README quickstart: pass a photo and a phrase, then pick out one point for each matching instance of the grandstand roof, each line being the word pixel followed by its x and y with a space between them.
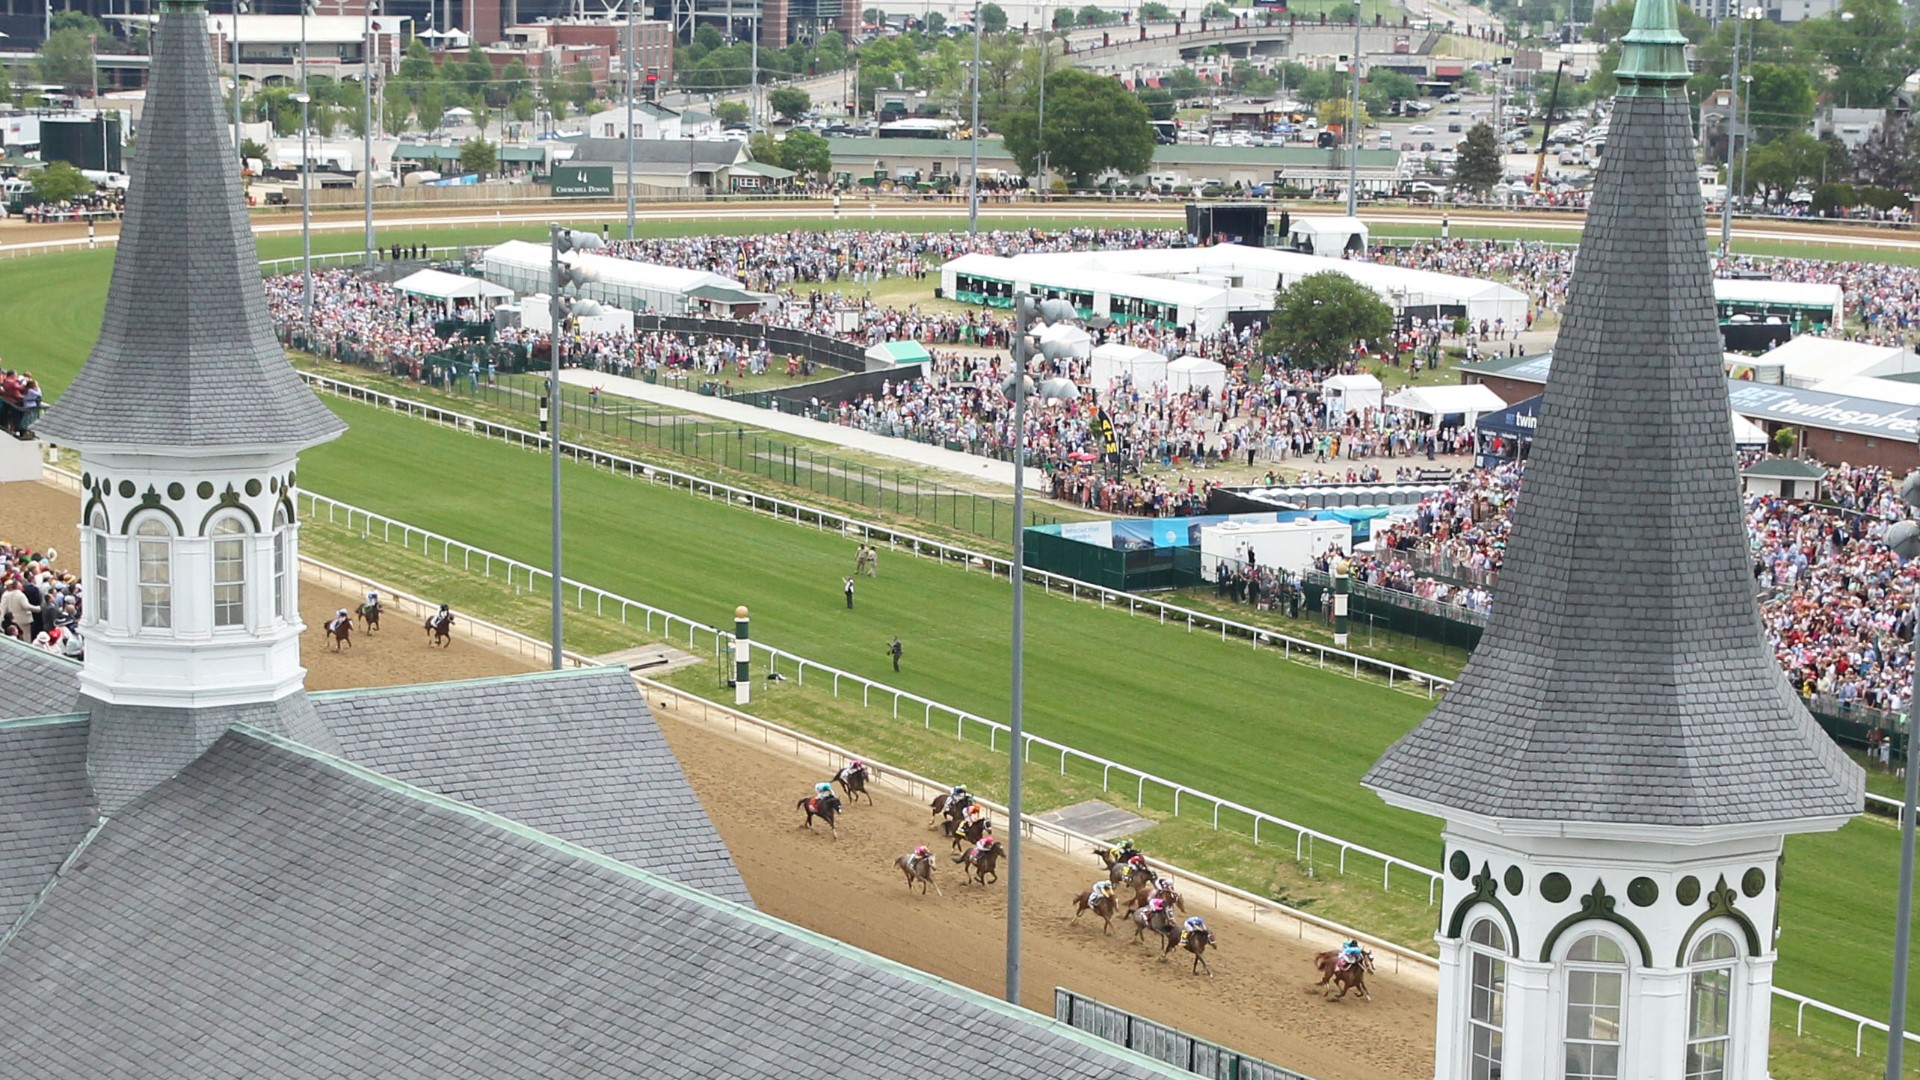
pixel 1623 679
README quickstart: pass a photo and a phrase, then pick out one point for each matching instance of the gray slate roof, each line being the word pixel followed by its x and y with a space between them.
pixel 271 912
pixel 1623 677
pixel 660 154
pixel 571 753
pixel 186 356
pixel 35 682
pixel 134 747
pixel 46 806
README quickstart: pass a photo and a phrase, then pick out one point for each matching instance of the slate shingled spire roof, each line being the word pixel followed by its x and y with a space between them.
pixel 1623 677
pixel 186 357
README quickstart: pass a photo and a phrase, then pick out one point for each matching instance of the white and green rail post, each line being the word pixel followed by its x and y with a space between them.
pixel 1342 581
pixel 742 658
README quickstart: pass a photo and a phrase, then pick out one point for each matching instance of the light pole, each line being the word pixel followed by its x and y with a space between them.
pixel 973 195
pixel 1903 539
pixel 1040 121
pixel 366 120
pixel 1353 122
pixel 1027 312
pixel 238 8
pixel 560 240
pixel 306 219
pixel 628 68
pixel 1733 116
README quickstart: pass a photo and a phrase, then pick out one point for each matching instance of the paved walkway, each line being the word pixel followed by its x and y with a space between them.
pixel 973 468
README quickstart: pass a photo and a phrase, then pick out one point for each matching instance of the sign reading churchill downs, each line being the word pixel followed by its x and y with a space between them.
pixel 582 181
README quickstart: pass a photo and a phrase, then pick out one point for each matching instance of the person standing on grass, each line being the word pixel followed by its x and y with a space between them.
pixel 849 591
pixel 894 651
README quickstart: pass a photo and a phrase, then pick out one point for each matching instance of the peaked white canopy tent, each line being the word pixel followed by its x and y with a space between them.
pixel 1190 373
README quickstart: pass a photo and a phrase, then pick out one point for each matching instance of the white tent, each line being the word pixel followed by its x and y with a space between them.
pixel 1470 401
pixel 447 288
pixel 1327 237
pixel 1748 435
pixel 1350 393
pixel 1809 362
pixel 1067 340
pixel 1145 367
pixel 1192 373
pixel 623 283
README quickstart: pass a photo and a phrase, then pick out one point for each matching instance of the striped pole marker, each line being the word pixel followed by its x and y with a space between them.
pixel 742 657
pixel 1341 582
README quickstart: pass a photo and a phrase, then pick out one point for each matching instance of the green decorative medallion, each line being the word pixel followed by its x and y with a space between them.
pixel 204 490
pixel 86 480
pixel 1753 882
pixel 1555 887
pixel 176 491
pixel 1643 891
pixel 1460 865
pixel 253 488
pixel 1688 892
pixel 126 489
pixel 1516 881
pixel 273 485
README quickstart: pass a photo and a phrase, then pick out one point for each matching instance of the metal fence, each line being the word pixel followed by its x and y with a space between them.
pixel 1160 1042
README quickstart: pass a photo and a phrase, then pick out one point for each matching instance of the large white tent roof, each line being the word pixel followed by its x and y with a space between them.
pixel 1471 398
pixel 440 285
pixel 1807 294
pixel 612 271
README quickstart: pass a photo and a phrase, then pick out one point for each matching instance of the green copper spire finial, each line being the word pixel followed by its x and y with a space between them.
pixel 1653 55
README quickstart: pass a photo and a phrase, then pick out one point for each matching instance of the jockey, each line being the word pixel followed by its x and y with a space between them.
pixel 1122 851
pixel 823 791
pixel 340 618
pixel 444 617
pixel 972 814
pixel 1102 890
pixel 1158 906
pixel 981 847
pixel 373 599
pixel 855 767
pixel 958 795
pixel 1163 885
pixel 1349 953
pixel 921 855
pixel 1137 862
pixel 1195 925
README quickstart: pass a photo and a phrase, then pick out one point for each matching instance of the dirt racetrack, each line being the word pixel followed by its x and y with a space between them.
pixel 1257 1001
pixel 43 516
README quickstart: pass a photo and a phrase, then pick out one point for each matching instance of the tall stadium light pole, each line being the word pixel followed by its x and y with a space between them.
pixel 306 219
pixel 1040 120
pixel 628 68
pixel 973 200
pixel 1733 115
pixel 238 7
pixel 1353 123
pixel 559 275
pixel 1025 311
pixel 1903 538
pixel 366 120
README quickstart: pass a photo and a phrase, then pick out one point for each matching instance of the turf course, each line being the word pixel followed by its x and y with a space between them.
pixel 1286 739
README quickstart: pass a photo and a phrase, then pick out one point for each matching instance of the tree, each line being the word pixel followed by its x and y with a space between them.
pixel 1318 319
pixel 790 102
pixel 430 108
pixel 1886 160
pixel 1867 51
pixel 1159 102
pixel 1786 161
pixel 1093 125
pixel 1216 10
pixel 1248 79
pixel 1479 165
pixel 479 156
pixel 731 113
pixel 521 109
pixel 1154 11
pixel 764 149
pixel 1333 113
pixel 993 19
pixel 1780 99
pixel 66 59
pixel 253 151
pixel 805 152
pixel 59 182
pixel 936 23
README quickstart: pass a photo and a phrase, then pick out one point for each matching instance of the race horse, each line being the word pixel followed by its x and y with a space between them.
pixel 1106 907
pixel 1197 942
pixel 1132 877
pixel 980 865
pixel 1347 976
pixel 1105 855
pixel 1145 919
pixel 822 807
pixel 918 870
pixel 339 632
pixel 440 629
pixel 950 808
pixel 969 834
pixel 370 614
pixel 854 783
pixel 1171 896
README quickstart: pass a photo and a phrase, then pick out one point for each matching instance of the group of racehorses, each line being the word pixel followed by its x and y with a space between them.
pixel 339 629
pixel 1152 899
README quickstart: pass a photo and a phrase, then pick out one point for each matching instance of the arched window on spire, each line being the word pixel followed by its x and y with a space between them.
pixel 1486 1000
pixel 154 541
pixel 1596 1006
pixel 280 559
pixel 95 608
pixel 229 572
pixel 1710 1007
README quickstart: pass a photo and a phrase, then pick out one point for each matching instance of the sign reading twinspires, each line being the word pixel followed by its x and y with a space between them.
pixel 577 181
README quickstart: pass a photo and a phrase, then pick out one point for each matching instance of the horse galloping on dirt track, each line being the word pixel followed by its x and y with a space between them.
pixel 370 614
pixel 948 809
pixel 980 865
pixel 854 783
pixel 822 808
pixel 1132 877
pixel 920 870
pixel 440 629
pixel 339 632
pixel 1145 919
pixel 1196 942
pixel 1105 907
pixel 1348 977
pixel 1172 897
pixel 970 833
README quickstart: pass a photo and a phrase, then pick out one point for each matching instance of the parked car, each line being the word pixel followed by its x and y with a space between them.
pixel 1420 129
pixel 1449 99
pixel 1426 147
pixel 1454 128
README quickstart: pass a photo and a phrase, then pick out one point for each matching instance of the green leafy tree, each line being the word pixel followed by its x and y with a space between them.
pixel 1248 79
pixel 1781 99
pixel 1479 165
pixel 253 151
pixel 830 52
pixel 6 87
pixel 764 149
pixel 79 21
pixel 1783 163
pixel 790 102
pixel 325 119
pixel 1318 319
pixel 431 107
pixel 479 156
pixel 1064 18
pixel 936 23
pixel 1886 160
pixel 805 152
pixel 417 67
pixel 1868 52
pixel 1333 112
pixel 395 109
pixel 1093 125
pixel 1159 102
pixel 1154 11
pixel 521 108
pixel 66 60
pixel 731 113
pixel 513 82
pixel 993 19
pixel 59 182
pixel 1216 10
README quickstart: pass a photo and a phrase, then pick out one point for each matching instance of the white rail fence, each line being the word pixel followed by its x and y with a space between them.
pixel 699 636
pixel 1220 896
pixel 1325 656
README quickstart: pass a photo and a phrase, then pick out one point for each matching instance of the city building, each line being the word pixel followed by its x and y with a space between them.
pixel 1621 761
pixel 336 45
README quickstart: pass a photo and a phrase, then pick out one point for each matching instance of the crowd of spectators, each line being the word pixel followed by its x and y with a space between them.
pixel 20 402
pixel 39 604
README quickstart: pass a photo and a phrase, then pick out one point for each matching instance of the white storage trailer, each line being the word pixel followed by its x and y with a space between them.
pixel 1284 545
